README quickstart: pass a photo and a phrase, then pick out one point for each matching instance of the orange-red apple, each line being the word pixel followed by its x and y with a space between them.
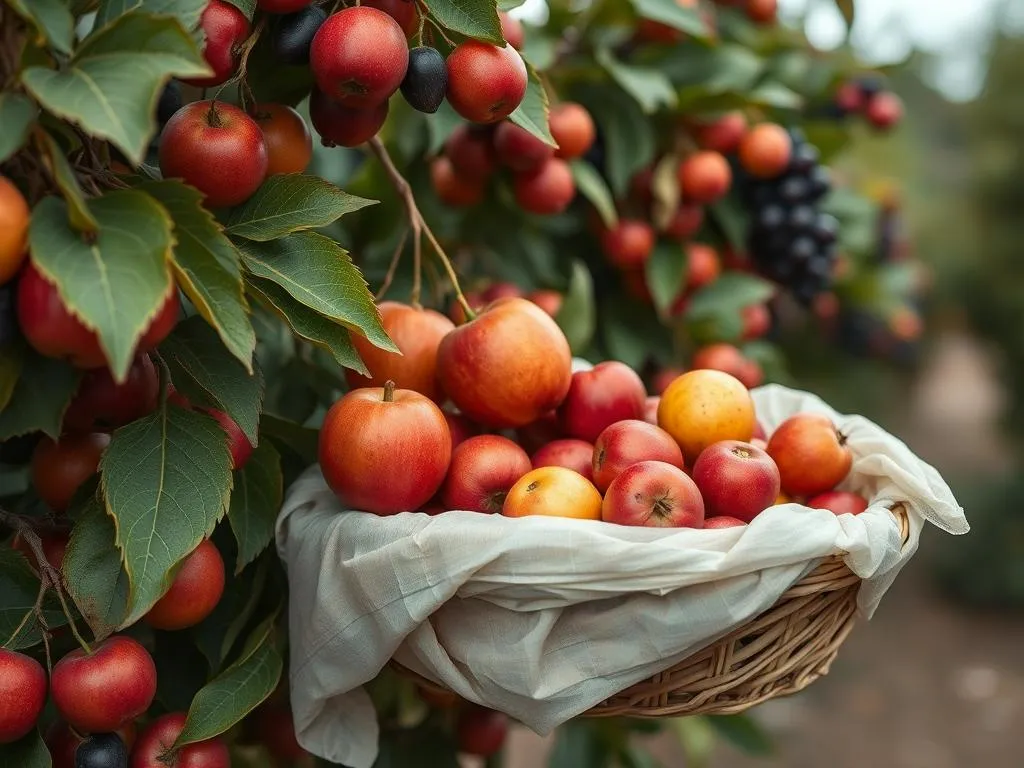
pixel 609 392
pixel 839 502
pixel 553 492
pixel 577 455
pixel 653 494
pixel 627 442
pixel 736 479
pixel 482 471
pixel 722 521
pixel 811 454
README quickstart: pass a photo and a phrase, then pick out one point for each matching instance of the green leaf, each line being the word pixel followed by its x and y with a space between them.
pixel 743 732
pixel 697 738
pixel 112 83
pixel 628 134
pixel 731 217
pixel 17 116
pixel 185 11
pixel 52 20
pixel 729 293
pixel 248 7
pixel 19 590
pixel 233 694
pixel 320 274
pixel 578 744
pixel 216 635
pixel 673 14
pixel 775 95
pixel 309 324
pixel 441 125
pixel 532 112
pixel 593 187
pixel 41 393
pixel 208 267
pixel 577 317
pixel 115 283
pixel 291 203
pixel 79 215
pixel 632 332
pixel 209 376
pixel 650 87
pixel 665 272
pixel 28 752
pixel 93 572
pixel 255 502
pixel 166 479
pixel 300 440
pixel 712 70
pixel 472 18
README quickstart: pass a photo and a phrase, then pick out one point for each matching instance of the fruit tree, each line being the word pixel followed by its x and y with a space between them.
pixel 217 216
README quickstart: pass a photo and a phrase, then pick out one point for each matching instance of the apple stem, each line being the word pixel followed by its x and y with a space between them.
pixel 389 391
pixel 662 507
pixel 419 227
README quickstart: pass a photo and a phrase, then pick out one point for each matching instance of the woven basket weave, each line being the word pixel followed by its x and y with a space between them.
pixel 778 653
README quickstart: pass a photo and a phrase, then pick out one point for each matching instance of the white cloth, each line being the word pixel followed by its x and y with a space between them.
pixel 543 618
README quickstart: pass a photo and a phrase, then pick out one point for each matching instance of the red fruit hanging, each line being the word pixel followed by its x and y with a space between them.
pixel 224 28
pixel 485 83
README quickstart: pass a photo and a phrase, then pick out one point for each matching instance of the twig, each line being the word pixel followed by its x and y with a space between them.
pixel 418 224
pixel 392 267
pixel 440 31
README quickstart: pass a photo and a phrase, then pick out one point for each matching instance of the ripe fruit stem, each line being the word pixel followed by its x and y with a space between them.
pixel 419 226
pixel 389 391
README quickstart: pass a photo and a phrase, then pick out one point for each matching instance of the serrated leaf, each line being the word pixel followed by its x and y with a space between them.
pixel 743 732
pixel 41 393
pixel 255 502
pixel 291 203
pixel 112 83
pixel 93 573
pixel 577 316
pixel 17 115
pixel 729 293
pixel 532 113
pixel 650 87
pixel 590 184
pixel 52 20
pixel 208 375
pixel 28 752
pixel 309 324
pixel 472 18
pixel 116 282
pixel 627 132
pixel 166 479
pixel 185 11
pixel 79 215
pixel 665 272
pixel 233 694
pixel 19 590
pixel 675 15
pixel 320 274
pixel 208 267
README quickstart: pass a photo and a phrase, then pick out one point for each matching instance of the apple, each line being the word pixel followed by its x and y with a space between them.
pixel 723 521
pixel 508 366
pixel 154 747
pixel 627 442
pixel 664 377
pixel 609 392
pixel 539 433
pixel 482 471
pixel 839 502
pixel 460 428
pixel 736 479
pixel 553 492
pixel 570 453
pixel 703 407
pixel 22 694
pixel 811 453
pixel 480 731
pixel 653 494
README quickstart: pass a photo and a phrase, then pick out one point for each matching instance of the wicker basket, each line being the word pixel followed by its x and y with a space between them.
pixel 778 653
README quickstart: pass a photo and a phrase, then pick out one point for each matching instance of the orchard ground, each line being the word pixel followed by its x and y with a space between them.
pixel 925 684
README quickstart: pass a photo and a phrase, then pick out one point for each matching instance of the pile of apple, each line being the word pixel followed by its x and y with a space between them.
pixel 531 437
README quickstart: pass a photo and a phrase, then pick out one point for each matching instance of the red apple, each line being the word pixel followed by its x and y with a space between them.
pixel 664 377
pixel 570 453
pixel 811 454
pixel 461 428
pixel 483 469
pixel 839 502
pixel 653 494
pixel 154 747
pixel 22 694
pixel 610 392
pixel 723 521
pixel 628 442
pixel 651 409
pixel 736 479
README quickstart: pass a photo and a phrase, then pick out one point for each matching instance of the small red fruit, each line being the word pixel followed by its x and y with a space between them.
pixel 369 433
pixel 453 189
pixel 850 97
pixel 722 135
pixel 736 479
pixel 512 30
pixel 239 445
pixel 359 57
pixel 577 455
pixel 628 245
pixel 471 152
pixel 102 405
pixel 14 223
pixel 460 427
pixel 154 747
pixel 685 223
pixel 194 593
pixel 54 544
pixel 653 494
pixel 765 150
pixel 839 502
pixel 702 265
pixel 611 391
pixel 723 521
pixel 519 149
pixel 546 191
pixel 627 442
pixel 501 290
pixel 482 471
pixel 402 11
pixel 485 83
pixel 22 694
pixel 216 148
pixel 811 454
pixel 884 110
pixel 286 136
pixel 751 374
pixel 572 128
pixel 60 468
pixel 274 725
pixel 757 321
pixel 224 28
pixel 548 300
pixel 539 433
pixel 102 691
pixel 762 11
pixel 704 177
pixel 720 357
pixel 481 731
pixel 664 377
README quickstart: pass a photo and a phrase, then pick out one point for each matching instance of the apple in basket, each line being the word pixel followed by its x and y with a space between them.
pixel 482 471
pixel 570 453
pixel 654 494
pixel 553 492
pixel 839 502
pixel 609 392
pixel 811 454
pixel 627 442
pixel 736 479
pixel 723 521
pixel 384 450
pixel 703 407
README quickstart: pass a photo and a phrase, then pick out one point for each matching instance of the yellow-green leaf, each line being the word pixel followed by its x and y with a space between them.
pixel 52 20
pixel 650 87
pixel 532 112
pixel 472 18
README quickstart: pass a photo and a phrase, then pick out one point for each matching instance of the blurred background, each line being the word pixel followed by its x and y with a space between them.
pixel 936 679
